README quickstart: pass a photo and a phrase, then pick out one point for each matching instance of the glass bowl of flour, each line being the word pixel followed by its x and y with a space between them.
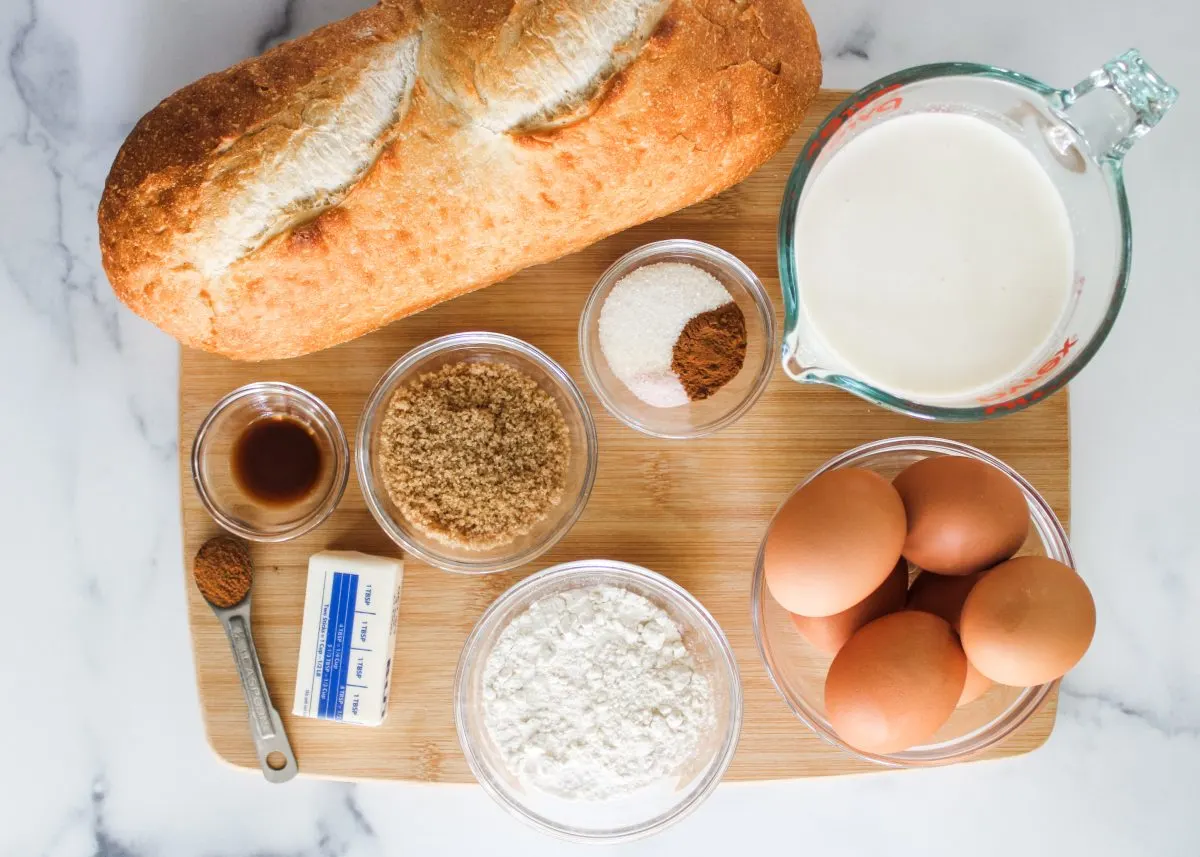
pixel 598 701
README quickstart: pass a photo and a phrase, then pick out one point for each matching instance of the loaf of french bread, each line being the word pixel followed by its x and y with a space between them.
pixel 416 151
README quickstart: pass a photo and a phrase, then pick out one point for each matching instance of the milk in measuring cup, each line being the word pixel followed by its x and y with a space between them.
pixel 934 256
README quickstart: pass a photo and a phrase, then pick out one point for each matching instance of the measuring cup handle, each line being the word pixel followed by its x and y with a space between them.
pixel 1143 98
pixel 275 755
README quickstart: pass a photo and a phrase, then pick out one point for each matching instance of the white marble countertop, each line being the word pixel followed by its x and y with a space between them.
pixel 101 746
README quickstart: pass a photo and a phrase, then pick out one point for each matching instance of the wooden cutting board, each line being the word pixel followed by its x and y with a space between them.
pixel 692 510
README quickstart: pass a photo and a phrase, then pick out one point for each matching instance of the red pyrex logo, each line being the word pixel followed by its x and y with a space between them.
pixel 1024 384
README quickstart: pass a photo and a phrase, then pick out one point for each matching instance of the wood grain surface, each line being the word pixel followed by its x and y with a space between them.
pixel 693 510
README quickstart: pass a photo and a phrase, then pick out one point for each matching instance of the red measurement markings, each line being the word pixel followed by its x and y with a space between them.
pixel 854 115
pixel 1027 382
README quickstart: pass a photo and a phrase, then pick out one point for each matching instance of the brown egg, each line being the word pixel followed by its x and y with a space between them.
pixel 975 686
pixel 941 594
pixel 944 595
pixel 963 515
pixel 834 542
pixel 895 682
pixel 830 633
pixel 1028 621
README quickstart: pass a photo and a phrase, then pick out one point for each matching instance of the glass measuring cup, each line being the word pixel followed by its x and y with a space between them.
pixel 1079 136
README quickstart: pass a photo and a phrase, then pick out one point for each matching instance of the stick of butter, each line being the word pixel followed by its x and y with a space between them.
pixel 347 638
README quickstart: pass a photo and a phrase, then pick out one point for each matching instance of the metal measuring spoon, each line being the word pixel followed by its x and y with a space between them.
pixel 224 573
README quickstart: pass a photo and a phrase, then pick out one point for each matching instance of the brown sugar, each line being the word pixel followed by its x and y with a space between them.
pixel 710 351
pixel 474 454
pixel 223 571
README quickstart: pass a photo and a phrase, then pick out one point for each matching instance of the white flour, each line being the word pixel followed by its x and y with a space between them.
pixel 590 693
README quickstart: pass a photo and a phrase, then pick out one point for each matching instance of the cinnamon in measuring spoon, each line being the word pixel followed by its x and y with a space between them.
pixel 223 571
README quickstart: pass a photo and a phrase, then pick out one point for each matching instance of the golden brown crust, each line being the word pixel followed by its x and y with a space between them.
pixel 449 205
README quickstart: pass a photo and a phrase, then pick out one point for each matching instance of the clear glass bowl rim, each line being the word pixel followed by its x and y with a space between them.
pixel 1055 541
pixel 341 455
pixel 378 399
pixel 645 254
pixel 669 590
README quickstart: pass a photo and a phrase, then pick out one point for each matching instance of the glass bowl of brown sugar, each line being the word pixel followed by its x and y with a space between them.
pixel 476 452
pixel 677 339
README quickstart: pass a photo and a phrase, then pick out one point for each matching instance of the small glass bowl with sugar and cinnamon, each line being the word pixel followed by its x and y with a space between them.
pixel 650 293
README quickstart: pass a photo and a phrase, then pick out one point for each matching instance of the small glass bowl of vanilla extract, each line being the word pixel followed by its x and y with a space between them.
pixel 270 461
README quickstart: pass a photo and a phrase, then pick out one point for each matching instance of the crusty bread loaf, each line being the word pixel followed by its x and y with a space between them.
pixel 411 153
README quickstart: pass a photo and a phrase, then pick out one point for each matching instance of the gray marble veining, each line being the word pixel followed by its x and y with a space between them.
pixel 101 743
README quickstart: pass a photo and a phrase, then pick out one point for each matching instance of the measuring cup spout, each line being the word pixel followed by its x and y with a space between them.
pixel 1130 99
pixel 794 368
pixel 798 370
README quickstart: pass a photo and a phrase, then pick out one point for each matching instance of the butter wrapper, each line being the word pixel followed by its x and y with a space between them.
pixel 348 636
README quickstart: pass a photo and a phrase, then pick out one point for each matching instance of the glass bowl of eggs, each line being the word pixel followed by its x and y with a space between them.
pixel 893 662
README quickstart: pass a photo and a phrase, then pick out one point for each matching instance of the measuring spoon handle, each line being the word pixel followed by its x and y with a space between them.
pixel 270 741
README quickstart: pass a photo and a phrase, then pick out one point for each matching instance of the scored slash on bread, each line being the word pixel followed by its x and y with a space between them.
pixel 409 154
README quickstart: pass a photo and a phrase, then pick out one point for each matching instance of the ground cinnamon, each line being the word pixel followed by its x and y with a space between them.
pixel 223 571
pixel 710 351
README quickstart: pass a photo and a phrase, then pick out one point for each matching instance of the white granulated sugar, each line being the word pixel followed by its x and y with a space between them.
pixel 642 318
pixel 591 693
pixel 662 390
